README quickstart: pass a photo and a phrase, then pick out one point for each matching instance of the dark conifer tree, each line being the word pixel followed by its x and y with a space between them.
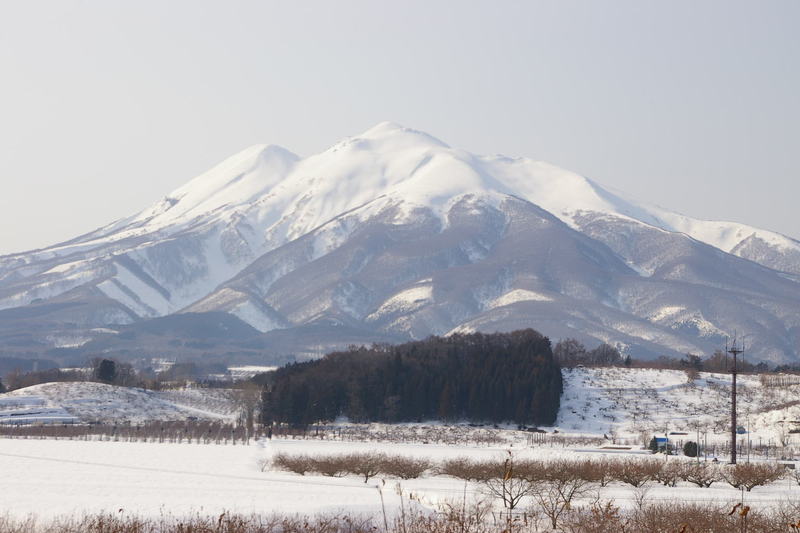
pixel 106 371
pixel 498 377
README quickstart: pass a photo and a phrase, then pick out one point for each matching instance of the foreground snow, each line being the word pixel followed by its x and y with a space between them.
pixel 49 477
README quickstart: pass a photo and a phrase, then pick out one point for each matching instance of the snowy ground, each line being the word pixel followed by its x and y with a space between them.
pixel 51 477
pixel 627 402
pixel 96 402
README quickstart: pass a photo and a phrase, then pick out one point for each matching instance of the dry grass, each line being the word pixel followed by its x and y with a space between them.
pixel 453 517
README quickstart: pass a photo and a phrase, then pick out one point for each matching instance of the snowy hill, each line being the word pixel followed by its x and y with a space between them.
pixel 632 401
pixel 97 402
pixel 392 235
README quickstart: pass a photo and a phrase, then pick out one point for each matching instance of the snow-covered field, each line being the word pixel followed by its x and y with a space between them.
pixel 56 477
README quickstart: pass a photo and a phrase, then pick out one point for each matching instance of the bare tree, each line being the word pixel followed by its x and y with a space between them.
pixel 510 488
pixel 703 475
pixel 669 473
pixel 565 481
pixel 365 464
pixel 248 398
pixel 404 467
pixel 298 464
pixel 637 473
pixel 751 475
pixel 569 352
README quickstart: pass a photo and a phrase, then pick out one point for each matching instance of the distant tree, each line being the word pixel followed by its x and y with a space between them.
pixel 180 371
pixel 605 354
pixel 2 387
pixel 106 371
pixel 762 367
pixel 13 380
pixel 692 361
pixel 690 449
pixel 569 352
pixel 18 380
pixel 720 362
pixel 665 361
pixel 628 360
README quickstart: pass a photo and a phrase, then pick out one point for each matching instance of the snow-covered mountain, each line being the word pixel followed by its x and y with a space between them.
pixel 392 235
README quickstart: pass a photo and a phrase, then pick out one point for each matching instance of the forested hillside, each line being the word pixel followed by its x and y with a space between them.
pixel 478 377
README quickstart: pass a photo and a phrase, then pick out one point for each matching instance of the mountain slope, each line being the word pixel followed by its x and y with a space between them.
pixel 393 235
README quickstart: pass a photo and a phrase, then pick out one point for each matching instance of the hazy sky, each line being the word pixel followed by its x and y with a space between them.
pixel 107 106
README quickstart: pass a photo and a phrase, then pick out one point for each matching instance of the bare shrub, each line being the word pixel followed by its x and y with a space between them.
pixel 703 475
pixel 298 464
pixel 333 465
pixel 467 517
pixel 531 470
pixel 669 473
pixel 599 518
pixel 640 494
pixel 673 517
pixel 598 471
pixel 751 475
pixel 468 470
pixel 637 472
pixel 366 465
pixel 404 467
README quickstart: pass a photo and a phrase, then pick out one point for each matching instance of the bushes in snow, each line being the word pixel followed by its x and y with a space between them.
pixel 564 474
pixel 701 474
pixel 636 473
pixel 751 475
pixel 366 465
pixel 405 467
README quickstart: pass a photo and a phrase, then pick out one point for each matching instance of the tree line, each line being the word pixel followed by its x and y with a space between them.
pixel 113 372
pixel 478 377
pixel 571 352
pixel 100 369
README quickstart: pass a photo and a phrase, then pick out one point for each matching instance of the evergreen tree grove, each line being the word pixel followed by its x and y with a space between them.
pixel 496 377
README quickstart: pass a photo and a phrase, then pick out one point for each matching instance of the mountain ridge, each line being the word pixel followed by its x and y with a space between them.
pixel 252 236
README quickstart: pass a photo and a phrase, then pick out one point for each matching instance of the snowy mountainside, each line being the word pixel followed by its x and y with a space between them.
pixel 393 235
pixel 97 402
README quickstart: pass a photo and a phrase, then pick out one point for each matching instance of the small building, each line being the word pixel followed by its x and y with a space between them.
pixel 662 443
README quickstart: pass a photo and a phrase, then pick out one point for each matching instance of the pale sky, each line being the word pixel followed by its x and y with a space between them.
pixel 107 106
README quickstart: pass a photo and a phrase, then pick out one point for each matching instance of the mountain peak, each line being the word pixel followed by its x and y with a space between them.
pixel 392 131
pixel 269 151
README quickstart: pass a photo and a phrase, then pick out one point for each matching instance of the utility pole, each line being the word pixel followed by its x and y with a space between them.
pixel 695 425
pixel 734 351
